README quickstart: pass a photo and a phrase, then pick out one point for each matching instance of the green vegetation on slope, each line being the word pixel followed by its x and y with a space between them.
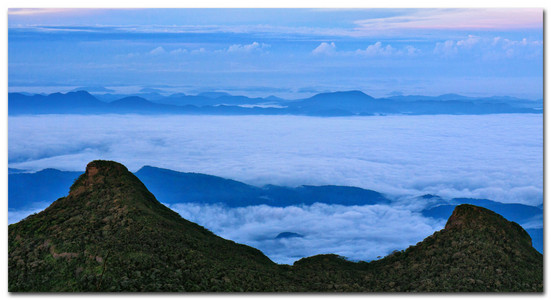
pixel 478 251
pixel 111 234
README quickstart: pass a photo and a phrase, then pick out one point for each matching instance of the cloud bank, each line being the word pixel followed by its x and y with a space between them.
pixel 356 232
pixel 15 216
pixel 498 157
pixel 374 50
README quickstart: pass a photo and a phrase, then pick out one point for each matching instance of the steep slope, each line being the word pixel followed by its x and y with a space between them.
pixel 111 234
pixel 519 213
pixel 477 251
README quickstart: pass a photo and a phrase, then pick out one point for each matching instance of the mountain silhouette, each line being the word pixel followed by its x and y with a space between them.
pixel 31 190
pixel 111 234
pixel 178 187
pixel 344 103
pixel 72 102
pixel 171 187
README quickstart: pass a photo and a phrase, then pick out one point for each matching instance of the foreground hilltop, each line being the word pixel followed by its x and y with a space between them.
pixel 111 234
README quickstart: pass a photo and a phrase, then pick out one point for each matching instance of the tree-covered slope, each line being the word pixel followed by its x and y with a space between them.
pixel 111 234
pixel 477 251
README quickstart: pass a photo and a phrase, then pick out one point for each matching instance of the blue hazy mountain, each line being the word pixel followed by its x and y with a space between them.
pixel 109 97
pixel 139 105
pixel 357 102
pixel 47 185
pixel 72 102
pixel 288 235
pixel 345 102
pixel 511 101
pixel 537 238
pixel 330 194
pixel 93 89
pixel 324 104
pixel 213 95
pixel 170 187
pixel 512 211
pixel 519 213
pixel 179 187
pixel 151 90
pixel 15 171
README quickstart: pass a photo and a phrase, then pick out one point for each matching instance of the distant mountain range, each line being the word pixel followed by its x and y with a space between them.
pixel 346 103
pixel 171 187
pixel 178 187
pixel 110 234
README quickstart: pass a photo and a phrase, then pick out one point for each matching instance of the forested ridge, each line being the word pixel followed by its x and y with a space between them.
pixel 111 234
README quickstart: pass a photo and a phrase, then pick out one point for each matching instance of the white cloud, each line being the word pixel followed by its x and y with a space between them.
pixel 377 49
pixel 199 51
pixel 325 48
pixel 157 51
pixel 179 51
pixel 255 46
pixel 450 47
pixel 412 51
pixel 374 50
pixel 523 47
pixel 446 48
pixel 495 48
pixel 18 215
pixel 469 42
pixel 356 232
pixel 492 156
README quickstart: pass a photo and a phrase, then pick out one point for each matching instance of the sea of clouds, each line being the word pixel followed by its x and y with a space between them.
pixel 355 232
pixel 498 157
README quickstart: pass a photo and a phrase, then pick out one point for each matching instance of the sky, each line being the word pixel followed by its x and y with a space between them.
pixel 291 53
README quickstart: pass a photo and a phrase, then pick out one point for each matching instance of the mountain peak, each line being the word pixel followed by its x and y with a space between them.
pixel 104 166
pixel 464 215
pixel 97 170
pixel 111 234
pixel 467 216
pixel 80 93
pixel 104 180
pixel 353 93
